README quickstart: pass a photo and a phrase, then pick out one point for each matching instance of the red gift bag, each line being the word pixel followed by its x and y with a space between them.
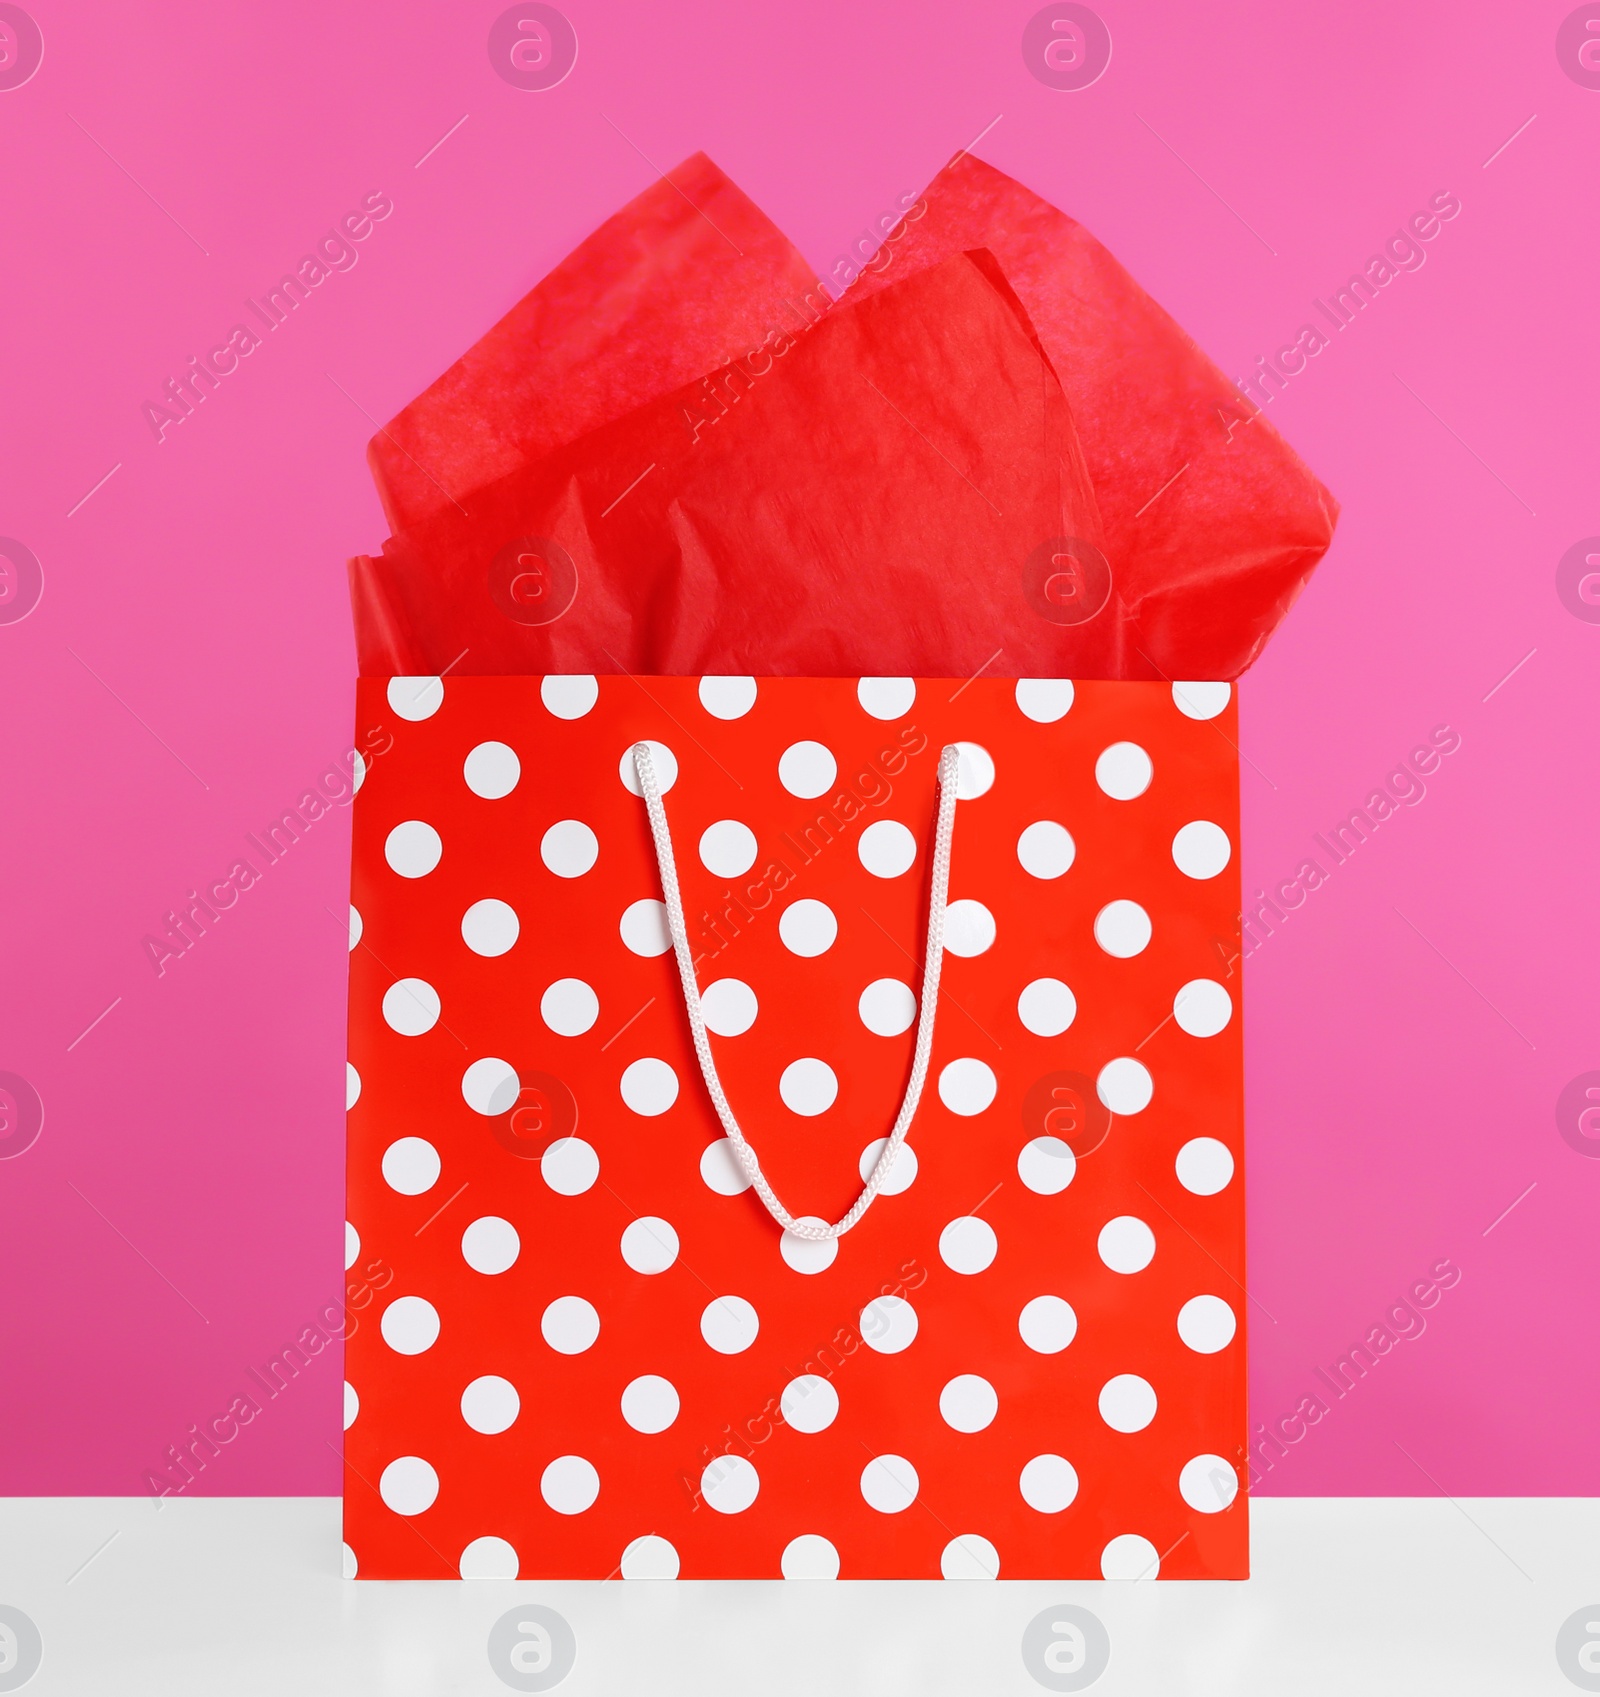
pixel 796 1112
pixel 597 1353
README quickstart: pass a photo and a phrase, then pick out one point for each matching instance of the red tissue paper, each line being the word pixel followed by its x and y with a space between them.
pixel 658 295
pixel 996 452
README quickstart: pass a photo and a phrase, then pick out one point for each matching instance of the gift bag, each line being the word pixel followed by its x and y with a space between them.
pixel 795 1111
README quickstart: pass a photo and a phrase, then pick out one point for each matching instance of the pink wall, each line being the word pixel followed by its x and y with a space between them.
pixel 187 672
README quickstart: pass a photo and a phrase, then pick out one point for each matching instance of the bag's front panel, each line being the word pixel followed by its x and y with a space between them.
pixel 583 1348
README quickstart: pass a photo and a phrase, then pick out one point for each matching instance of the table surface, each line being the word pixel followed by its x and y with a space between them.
pixel 1380 1595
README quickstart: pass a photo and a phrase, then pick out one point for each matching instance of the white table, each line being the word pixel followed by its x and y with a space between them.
pixel 238 1596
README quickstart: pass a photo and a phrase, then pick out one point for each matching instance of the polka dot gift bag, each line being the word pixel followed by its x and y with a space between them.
pixel 795 1087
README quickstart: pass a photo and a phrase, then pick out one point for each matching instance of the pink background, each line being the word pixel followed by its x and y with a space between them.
pixel 188 672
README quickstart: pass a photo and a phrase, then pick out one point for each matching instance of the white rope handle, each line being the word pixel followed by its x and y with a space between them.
pixel 939 885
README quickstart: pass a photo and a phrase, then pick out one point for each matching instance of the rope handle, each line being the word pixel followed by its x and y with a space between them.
pixel 933 960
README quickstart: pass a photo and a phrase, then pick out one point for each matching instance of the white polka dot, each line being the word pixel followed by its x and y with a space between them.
pixel 352 1405
pixel 1125 1086
pixel 1201 700
pixel 729 1007
pixel 1044 700
pixel 358 771
pixel 1127 1403
pixel 968 1403
pixel 1205 1166
pixel 1049 1484
pixel 809 1087
pixel 729 1484
pixel 570 1325
pixel 489 1558
pixel 569 1007
pixel 809 1403
pixel 411 1166
pixel 413 849
pixel 1201 849
pixel 810 1557
pixel 889 1483
pixel 490 927
pixel 887 848
pixel 569 696
pixel 721 1168
pixel 808 1254
pixel 490 1245
pixel 727 697
pixel 490 1086
pixel 352 1086
pixel 1123 771
pixel 649 1087
pixel 356 927
pixel 807 769
pixel 348 1565
pixel 1208 1484
pixel 1128 1558
pixel 490 1404
pixel 886 698
pixel 569 1484
pixel 902 1175
pixel 416 698
pixel 729 1324
pixel 1122 929
pixel 808 928
pixel 1206 1324
pixel 569 848
pixel 967 1245
pixel 1047 1165
pixel 728 848
pixel 887 1007
pixel 644 927
pixel 662 758
pixel 492 770
pixel 1126 1244
pixel 968 928
pixel 969 1557
pixel 888 1324
pixel 650 1403
pixel 1202 1007
pixel 569 1166
pixel 411 1007
pixel 1046 849
pixel 352 1245
pixel 409 1485
pixel 410 1325
pixel 1048 1324
pixel 1047 1007
pixel 649 1557
pixel 649 1244
pixel 967 1086
pixel 974 771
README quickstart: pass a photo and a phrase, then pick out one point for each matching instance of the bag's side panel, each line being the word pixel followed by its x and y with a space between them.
pixel 585 1349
